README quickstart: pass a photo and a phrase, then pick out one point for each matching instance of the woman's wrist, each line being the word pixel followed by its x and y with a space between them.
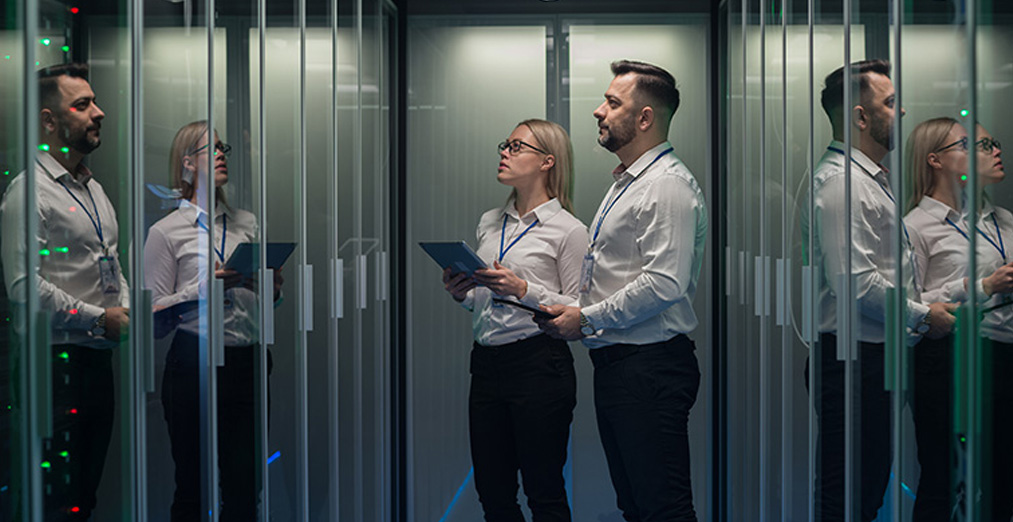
pixel 524 290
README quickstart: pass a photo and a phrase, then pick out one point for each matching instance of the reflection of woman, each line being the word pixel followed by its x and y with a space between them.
pixel 523 387
pixel 176 273
pixel 939 226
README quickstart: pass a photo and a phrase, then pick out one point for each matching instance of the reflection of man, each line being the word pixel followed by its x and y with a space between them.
pixel 873 267
pixel 638 282
pixel 79 281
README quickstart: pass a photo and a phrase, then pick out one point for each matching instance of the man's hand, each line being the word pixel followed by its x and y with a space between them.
pixel 501 280
pixel 941 319
pixel 566 324
pixel 457 284
pixel 117 322
pixel 1000 282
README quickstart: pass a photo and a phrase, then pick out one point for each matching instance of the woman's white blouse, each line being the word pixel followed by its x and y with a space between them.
pixel 174 272
pixel 941 258
pixel 548 257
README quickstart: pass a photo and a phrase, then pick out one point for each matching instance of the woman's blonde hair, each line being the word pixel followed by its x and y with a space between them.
pixel 553 138
pixel 183 145
pixel 928 137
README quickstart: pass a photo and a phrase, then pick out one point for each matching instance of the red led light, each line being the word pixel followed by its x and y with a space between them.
pixel 72 109
pixel 73 209
pixel 73 411
pixel 73 311
pixel 75 10
pixel 75 509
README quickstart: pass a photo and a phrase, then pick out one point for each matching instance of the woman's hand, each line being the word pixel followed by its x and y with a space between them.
pixel 1000 282
pixel 457 284
pixel 501 280
pixel 231 277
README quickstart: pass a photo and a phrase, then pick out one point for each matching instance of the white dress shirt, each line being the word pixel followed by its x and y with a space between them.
pixel 873 257
pixel 941 254
pixel 175 272
pixel 548 257
pixel 648 253
pixel 68 277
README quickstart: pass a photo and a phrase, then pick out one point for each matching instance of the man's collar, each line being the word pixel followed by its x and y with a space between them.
pixel 57 171
pixel 640 165
pixel 870 167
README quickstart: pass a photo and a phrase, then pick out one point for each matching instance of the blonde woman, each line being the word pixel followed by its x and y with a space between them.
pixel 939 226
pixel 174 271
pixel 523 387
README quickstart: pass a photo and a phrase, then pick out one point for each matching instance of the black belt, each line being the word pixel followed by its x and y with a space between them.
pixel 607 355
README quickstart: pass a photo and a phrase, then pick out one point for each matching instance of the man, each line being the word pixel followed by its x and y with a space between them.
pixel 872 268
pixel 636 303
pixel 79 281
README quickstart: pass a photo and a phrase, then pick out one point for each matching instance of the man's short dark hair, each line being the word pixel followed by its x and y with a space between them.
pixel 654 83
pixel 49 82
pixel 832 97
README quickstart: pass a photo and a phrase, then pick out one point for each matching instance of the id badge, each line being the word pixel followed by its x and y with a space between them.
pixel 586 269
pixel 110 275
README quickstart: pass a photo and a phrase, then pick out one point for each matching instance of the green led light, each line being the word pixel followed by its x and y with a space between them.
pixel 45 41
pixel 44 147
pixel 65 150
pixel 7 57
pixel 964 112
pixel 63 249
pixel 37 63
pixel 963 178
pixel 45 464
pixel 65 48
pixel 64 355
pixel 44 252
pixel 963 439
pixel 7 173
pixel 64 454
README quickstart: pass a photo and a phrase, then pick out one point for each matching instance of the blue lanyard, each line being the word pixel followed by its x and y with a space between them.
pixel 514 242
pixel 1001 248
pixel 601 219
pixel 225 230
pixel 96 220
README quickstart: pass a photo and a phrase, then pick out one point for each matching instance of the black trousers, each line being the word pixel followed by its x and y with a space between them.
pixel 83 402
pixel 238 407
pixel 872 402
pixel 938 486
pixel 519 413
pixel 642 397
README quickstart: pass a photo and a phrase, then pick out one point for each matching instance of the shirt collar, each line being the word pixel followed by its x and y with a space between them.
pixel 543 212
pixel 873 169
pixel 192 212
pixel 56 171
pixel 640 165
pixel 937 209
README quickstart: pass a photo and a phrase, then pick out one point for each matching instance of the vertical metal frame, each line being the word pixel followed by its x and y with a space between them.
pixel 895 359
pixel 973 345
pixel 784 289
pixel 266 276
pixel 762 276
pixel 305 303
pixel 845 318
pixel 35 370
pixel 809 277
pixel 208 363
pixel 359 271
pixel 336 287
pixel 142 349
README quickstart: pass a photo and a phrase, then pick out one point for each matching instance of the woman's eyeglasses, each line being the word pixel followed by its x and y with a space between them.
pixel 515 147
pixel 223 148
pixel 986 145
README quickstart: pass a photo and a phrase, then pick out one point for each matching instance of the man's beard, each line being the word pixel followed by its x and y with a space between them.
pixel 81 142
pixel 883 135
pixel 617 136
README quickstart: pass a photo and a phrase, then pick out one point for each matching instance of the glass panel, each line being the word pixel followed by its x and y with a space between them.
pixel 20 447
pixel 285 150
pixel 180 160
pixel 459 107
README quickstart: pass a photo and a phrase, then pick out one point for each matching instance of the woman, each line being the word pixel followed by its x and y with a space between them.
pixel 939 228
pixel 175 271
pixel 523 387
